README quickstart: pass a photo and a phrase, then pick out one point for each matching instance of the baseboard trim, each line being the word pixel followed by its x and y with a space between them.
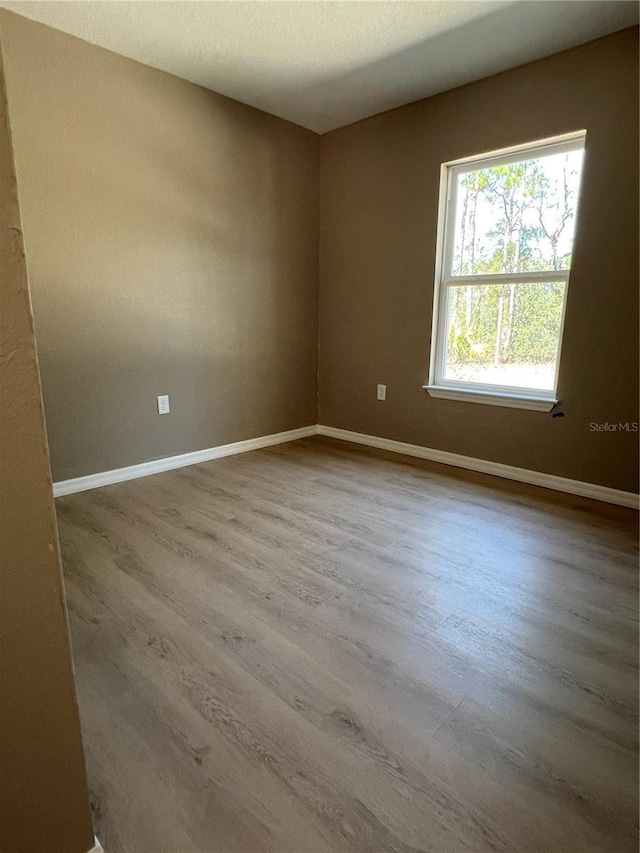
pixel 497 469
pixel 144 469
pixel 97 847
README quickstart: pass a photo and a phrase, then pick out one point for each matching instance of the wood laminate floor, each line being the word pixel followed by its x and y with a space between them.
pixel 318 647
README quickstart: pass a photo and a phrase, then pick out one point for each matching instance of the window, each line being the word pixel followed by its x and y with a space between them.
pixel 505 235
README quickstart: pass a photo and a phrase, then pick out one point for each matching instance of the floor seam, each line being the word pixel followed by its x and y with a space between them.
pixel 448 717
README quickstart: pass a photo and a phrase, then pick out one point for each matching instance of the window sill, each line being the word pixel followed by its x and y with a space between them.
pixel 488 398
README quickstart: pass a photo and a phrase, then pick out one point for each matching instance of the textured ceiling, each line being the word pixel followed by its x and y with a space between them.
pixel 326 64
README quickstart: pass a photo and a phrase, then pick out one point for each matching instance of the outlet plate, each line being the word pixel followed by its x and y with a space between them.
pixel 163 404
pixel 382 392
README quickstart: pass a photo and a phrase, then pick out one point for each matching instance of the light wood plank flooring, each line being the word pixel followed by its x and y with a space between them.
pixel 318 647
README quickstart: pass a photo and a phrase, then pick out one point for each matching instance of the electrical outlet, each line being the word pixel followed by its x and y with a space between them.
pixel 382 392
pixel 163 405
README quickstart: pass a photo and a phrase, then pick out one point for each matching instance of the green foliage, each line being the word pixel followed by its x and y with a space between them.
pixel 511 323
pixel 530 337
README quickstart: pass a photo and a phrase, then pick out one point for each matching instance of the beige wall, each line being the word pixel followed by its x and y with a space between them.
pixel 44 803
pixel 173 244
pixel 172 239
pixel 379 199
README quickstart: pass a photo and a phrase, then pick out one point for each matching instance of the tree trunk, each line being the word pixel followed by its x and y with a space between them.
pixel 472 256
pixel 496 352
pixel 509 334
pixel 463 233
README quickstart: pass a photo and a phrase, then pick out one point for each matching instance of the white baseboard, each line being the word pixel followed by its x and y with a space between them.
pixel 97 847
pixel 522 475
pixel 144 469
pixel 497 469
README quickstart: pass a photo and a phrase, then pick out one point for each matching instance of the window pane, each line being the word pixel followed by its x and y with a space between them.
pixel 504 334
pixel 519 217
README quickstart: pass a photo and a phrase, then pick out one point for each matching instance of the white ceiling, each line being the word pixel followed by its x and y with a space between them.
pixel 326 64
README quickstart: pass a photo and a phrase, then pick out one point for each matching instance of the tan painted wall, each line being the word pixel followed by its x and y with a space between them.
pixel 173 243
pixel 44 803
pixel 379 199
pixel 172 238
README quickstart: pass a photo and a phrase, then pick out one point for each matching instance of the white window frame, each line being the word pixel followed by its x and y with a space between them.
pixel 495 395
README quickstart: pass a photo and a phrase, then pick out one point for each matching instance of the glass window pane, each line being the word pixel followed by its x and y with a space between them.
pixel 519 217
pixel 504 334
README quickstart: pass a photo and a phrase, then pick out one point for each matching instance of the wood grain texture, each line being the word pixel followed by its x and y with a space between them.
pixel 319 648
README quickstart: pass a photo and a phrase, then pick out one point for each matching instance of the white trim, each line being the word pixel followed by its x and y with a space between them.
pixel 144 469
pixel 473 395
pixel 497 469
pixel 97 847
pixel 507 278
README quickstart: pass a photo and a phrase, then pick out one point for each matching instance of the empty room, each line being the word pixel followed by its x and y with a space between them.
pixel 319 370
